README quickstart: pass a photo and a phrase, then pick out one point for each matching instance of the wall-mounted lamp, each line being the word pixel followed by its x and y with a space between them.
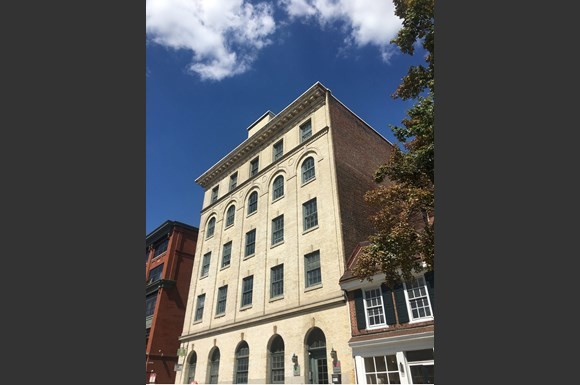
pixel 295 359
pixel 333 354
pixel 401 368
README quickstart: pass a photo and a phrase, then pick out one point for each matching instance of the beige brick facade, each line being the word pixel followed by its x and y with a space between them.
pixel 302 307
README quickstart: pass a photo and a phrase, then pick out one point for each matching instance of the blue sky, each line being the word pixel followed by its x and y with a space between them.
pixel 214 66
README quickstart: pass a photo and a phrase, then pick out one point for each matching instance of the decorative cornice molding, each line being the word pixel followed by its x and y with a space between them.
pixel 307 100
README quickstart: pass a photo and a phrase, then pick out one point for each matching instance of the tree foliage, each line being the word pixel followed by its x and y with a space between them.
pixel 405 196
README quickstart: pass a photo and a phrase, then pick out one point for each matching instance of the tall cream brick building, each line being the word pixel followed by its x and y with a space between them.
pixel 281 213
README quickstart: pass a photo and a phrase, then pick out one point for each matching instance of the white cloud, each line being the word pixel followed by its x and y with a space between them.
pixel 368 21
pixel 223 35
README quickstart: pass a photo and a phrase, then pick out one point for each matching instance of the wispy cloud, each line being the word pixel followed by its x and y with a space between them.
pixel 368 22
pixel 223 35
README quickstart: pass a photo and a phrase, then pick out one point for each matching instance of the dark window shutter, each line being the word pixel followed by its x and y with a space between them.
pixel 401 303
pixel 360 309
pixel 430 279
pixel 389 306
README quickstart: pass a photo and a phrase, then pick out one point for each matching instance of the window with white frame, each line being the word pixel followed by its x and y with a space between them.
pixel 155 274
pixel 310 214
pixel 221 300
pixel 278 187
pixel 374 311
pixel 382 370
pixel 205 264
pixel 308 171
pixel 199 307
pixel 277 229
pixel 418 299
pixel 230 215
pixel 422 365
pixel 278 150
pixel 305 131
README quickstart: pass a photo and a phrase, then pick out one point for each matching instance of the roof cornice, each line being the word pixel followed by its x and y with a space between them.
pixel 310 97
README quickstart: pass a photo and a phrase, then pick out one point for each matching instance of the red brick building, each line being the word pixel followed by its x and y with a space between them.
pixel 392 328
pixel 169 255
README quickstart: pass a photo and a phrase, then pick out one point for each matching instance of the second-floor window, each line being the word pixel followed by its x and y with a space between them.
pixel 278 150
pixel 374 311
pixel 310 214
pixel 205 264
pixel 312 269
pixel 305 131
pixel 227 254
pixel 277 229
pixel 250 242
pixel 221 300
pixel 230 215
pixel 308 169
pixel 247 289
pixel 199 307
pixel 277 281
pixel 418 299
pixel 155 274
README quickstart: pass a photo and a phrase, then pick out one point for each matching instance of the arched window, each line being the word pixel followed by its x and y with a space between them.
pixel 253 202
pixel 230 215
pixel 276 359
pixel 191 367
pixel 214 366
pixel 308 169
pixel 242 362
pixel 210 228
pixel 278 187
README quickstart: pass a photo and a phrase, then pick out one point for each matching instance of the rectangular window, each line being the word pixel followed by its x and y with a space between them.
pixel 312 268
pixel 374 307
pixel 205 264
pixel 199 307
pixel 221 300
pixel 233 181
pixel 277 229
pixel 418 299
pixel 277 281
pixel 155 274
pixel 250 242
pixel 214 194
pixel 305 131
pixel 161 247
pixel 254 167
pixel 278 149
pixel 150 302
pixel 247 288
pixel 383 370
pixel 310 213
pixel 422 366
pixel 227 254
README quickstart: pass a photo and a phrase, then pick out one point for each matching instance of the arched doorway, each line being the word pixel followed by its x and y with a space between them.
pixel 213 366
pixel 276 360
pixel 317 361
pixel 191 363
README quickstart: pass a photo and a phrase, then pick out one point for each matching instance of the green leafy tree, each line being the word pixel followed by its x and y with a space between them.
pixel 405 196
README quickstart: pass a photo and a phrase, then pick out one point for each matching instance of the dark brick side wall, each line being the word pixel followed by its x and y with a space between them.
pixel 170 313
pixel 358 151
